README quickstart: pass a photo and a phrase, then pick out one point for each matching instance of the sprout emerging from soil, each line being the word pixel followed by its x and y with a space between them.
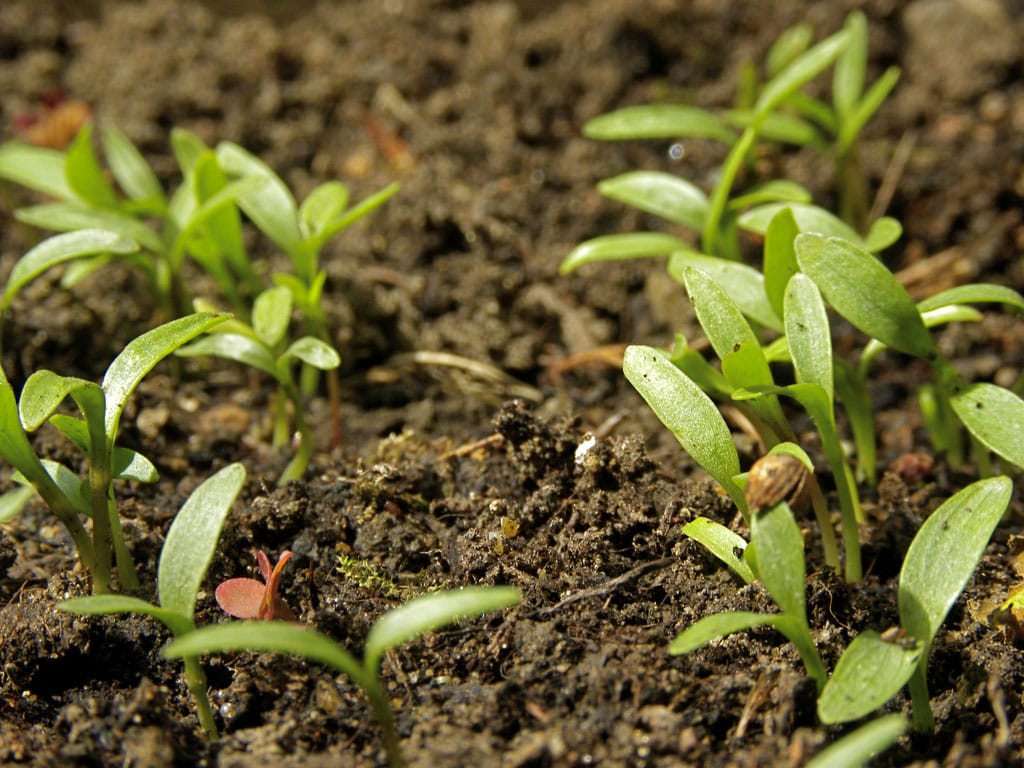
pixel 251 599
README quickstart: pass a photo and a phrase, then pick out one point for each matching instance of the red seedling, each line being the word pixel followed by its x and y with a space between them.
pixel 252 599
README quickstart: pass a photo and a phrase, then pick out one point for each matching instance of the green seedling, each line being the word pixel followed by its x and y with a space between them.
pixel 264 345
pixel 251 599
pixel 71 498
pixel 875 666
pixel 398 626
pixel 863 291
pixel 301 231
pixel 185 556
pixel 199 220
pixel 855 749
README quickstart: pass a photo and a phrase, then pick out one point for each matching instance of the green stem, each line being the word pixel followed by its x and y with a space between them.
pixel 385 719
pixel 127 576
pixel 828 535
pixel 852 189
pixel 196 680
pixel 799 635
pixel 921 706
pixel 102 507
pixel 720 194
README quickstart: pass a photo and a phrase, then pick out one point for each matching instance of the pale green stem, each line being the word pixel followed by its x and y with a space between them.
pixel 720 194
pixel 102 509
pixel 921 706
pixel 196 680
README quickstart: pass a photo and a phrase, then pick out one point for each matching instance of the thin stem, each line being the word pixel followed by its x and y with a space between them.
pixel 196 680
pixel 127 576
pixel 102 508
pixel 921 706
pixel 385 719
pixel 828 535
pixel 853 197
pixel 720 194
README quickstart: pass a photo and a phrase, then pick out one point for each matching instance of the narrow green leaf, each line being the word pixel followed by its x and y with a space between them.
pixel 856 399
pixel 44 391
pixel 101 605
pixel 809 218
pixel 776 191
pixel 221 220
pixel 236 347
pixel 855 749
pixel 870 672
pixel 85 175
pixel 187 148
pixel 192 539
pixel 71 216
pixel 809 335
pixel 780 558
pixel 58 249
pixel 619 247
pixel 864 292
pixel 658 121
pixel 780 127
pixel 799 72
pixel 15 448
pixel 37 168
pixel 140 356
pixel 995 416
pixel 271 314
pixel 14 500
pixel 661 194
pixel 719 316
pixel 779 257
pixel 131 170
pixel 722 543
pixel 126 464
pixel 848 76
pixel 430 612
pixel 269 637
pixel 944 554
pixel 313 352
pixel 688 413
pixel 321 206
pixel 743 284
pixel 866 107
pixel 271 205
pixel 717 626
pixel 74 488
pixel 883 233
pixel 787 46
pixel 353 214
pixel 974 293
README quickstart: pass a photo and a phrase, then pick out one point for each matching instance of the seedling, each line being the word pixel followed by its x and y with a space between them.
pixel 400 625
pixel 874 667
pixel 251 599
pixel 67 495
pixel 264 346
pixel 855 749
pixel 185 556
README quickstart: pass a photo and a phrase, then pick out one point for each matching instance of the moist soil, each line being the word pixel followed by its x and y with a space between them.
pixel 539 467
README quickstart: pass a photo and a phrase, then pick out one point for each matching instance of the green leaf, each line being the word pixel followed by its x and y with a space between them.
pixel 719 315
pixel 974 293
pixel 236 347
pixel 855 749
pixel 661 194
pixel 220 218
pixel 356 212
pixel 944 554
pixel 658 121
pixel 870 672
pixel 864 292
pixel 809 218
pixel 799 72
pixel 71 216
pixel 75 489
pixel 271 314
pixel 271 205
pixel 856 399
pixel 619 247
pixel 743 284
pixel 14 500
pixel 44 391
pixel 808 333
pixel 787 46
pixel 126 464
pixel 15 448
pixel 58 249
pixel 778 126
pixel 866 107
pixel 722 543
pixel 775 191
pixel 100 605
pixel 85 175
pixel 883 233
pixel 192 539
pixel 780 558
pixel 848 76
pixel 132 172
pixel 779 257
pixel 321 207
pixel 313 352
pixel 717 626
pixel 140 356
pixel 187 148
pixel 995 416
pixel 37 168
pixel 429 612
pixel 269 637
pixel 688 413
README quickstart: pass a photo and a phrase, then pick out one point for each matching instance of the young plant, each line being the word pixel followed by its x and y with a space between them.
pixel 264 345
pixel 251 599
pixel 185 556
pixel 873 668
pixel 71 498
pixel 398 626
pixel 855 749
pixel 198 220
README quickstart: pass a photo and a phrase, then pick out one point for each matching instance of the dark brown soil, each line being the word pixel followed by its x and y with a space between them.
pixel 476 109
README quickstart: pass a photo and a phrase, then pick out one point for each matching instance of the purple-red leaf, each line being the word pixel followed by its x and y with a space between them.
pixel 251 599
